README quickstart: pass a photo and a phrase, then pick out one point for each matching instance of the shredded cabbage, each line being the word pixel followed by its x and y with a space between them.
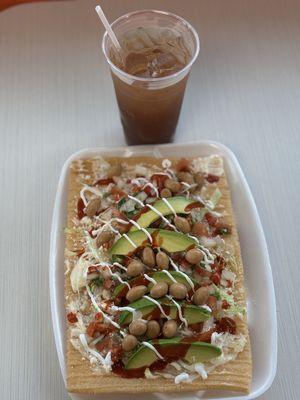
pixel 215 198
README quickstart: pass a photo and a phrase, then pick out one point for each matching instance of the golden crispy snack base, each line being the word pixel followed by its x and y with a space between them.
pixel 234 376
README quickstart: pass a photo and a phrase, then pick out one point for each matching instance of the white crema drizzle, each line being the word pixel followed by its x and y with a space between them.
pixel 151 347
pixel 191 283
pixel 142 229
pixel 180 315
pixel 158 305
pixel 150 279
pixel 154 210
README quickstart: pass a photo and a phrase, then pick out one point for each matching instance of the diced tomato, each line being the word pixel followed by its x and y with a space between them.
pixel 108 344
pixel 92 269
pixel 159 180
pixel 71 317
pixel 104 344
pixel 106 305
pixel 99 317
pixel 219 264
pixel 99 327
pixel 136 188
pixel 117 193
pixel 116 352
pixel 103 182
pixel 226 324
pixel 216 277
pixel 202 271
pixel 149 191
pixel 225 304
pixel 80 208
pixel 212 178
pixel 183 165
pixel 90 330
pixel 211 219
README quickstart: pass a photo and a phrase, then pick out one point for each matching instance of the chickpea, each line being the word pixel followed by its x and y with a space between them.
pixel 104 237
pixel 158 290
pixel 137 328
pixel 153 329
pixel 199 179
pixel 93 207
pixel 200 229
pixel 114 170
pixel 148 257
pixel 165 193
pixel 169 328
pixel 162 260
pixel 178 290
pixel 136 293
pixel 135 268
pixel 129 342
pixel 182 224
pixel 172 185
pixel 194 256
pixel 201 295
pixel 185 177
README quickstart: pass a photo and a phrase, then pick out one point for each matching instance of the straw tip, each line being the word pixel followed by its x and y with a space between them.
pixel 97 8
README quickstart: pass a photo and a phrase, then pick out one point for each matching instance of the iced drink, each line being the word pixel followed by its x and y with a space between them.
pixel 150 77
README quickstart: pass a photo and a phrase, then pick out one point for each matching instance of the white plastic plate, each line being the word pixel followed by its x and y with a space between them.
pixel 258 274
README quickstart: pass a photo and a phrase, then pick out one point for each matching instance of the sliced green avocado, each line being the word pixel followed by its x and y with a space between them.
pixel 158 277
pixel 163 277
pixel 179 204
pixel 167 240
pixel 193 314
pixel 196 352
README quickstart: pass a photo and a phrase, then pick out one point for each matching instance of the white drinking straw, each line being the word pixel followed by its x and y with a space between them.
pixel 107 26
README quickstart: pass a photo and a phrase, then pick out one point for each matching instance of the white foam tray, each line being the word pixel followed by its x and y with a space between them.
pixel 258 275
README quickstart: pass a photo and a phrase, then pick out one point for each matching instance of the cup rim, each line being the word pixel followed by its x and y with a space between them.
pixel 163 78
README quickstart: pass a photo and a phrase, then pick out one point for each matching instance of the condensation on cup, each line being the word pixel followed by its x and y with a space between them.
pixel 159 50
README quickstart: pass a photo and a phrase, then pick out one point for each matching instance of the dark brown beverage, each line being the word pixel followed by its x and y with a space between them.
pixel 150 79
pixel 149 116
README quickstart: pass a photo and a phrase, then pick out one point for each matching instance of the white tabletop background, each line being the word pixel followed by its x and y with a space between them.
pixel 56 97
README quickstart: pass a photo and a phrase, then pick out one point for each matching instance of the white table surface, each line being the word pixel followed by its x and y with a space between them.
pixel 56 97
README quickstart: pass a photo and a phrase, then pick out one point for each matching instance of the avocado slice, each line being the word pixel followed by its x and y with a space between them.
pixel 158 276
pixel 192 352
pixel 167 240
pixel 178 203
pixel 193 314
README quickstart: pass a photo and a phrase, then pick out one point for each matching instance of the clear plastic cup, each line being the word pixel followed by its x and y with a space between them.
pixel 150 107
